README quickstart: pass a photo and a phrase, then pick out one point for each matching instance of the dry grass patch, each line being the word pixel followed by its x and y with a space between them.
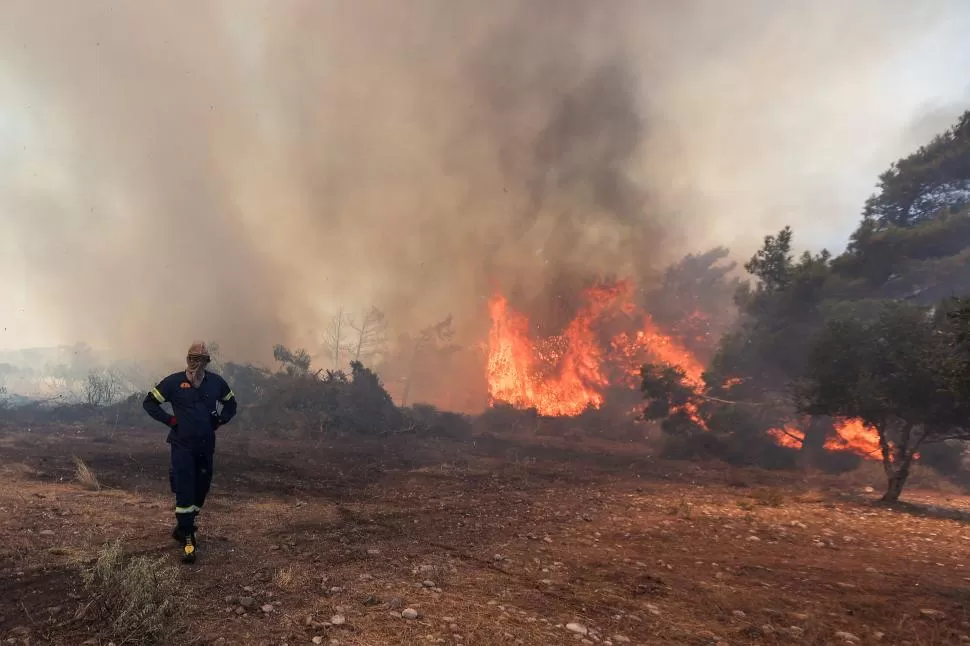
pixel 85 476
pixel 138 597
pixel 288 577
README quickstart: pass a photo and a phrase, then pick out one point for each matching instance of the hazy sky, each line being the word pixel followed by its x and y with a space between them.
pixel 235 170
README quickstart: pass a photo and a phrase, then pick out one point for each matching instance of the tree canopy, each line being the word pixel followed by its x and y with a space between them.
pixel 878 333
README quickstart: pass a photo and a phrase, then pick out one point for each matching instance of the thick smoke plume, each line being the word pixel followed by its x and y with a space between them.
pixel 237 170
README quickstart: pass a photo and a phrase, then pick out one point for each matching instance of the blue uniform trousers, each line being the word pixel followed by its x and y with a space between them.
pixel 190 476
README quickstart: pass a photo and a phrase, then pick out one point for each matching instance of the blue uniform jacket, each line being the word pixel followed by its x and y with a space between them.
pixel 196 416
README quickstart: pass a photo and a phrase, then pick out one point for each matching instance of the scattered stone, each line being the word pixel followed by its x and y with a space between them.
pixel 652 609
pixel 268 608
pixel 846 637
pixel 373 552
pixel 410 613
pixel 219 642
pixel 799 616
pixel 365 577
pixel 395 603
pixel 47 532
pixel 878 635
pixel 740 614
pixel 240 610
pixel 621 639
pixel 932 614
pixel 579 629
pixel 796 631
pixel 338 620
pixel 754 539
pixel 317 640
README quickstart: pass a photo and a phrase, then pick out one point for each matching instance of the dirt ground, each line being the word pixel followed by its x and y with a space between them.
pixel 491 542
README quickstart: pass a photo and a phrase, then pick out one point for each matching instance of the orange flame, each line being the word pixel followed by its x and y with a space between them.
pixel 854 436
pixel 651 341
pixel 851 436
pixel 568 373
pixel 519 370
pixel 788 436
pixel 564 375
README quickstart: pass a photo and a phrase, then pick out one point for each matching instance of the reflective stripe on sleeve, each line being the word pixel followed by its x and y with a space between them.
pixel 157 394
pixel 228 397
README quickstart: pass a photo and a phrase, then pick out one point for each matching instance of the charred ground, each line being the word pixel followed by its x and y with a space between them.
pixel 517 536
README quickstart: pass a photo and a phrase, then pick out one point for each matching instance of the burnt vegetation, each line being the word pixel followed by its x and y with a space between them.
pixel 877 334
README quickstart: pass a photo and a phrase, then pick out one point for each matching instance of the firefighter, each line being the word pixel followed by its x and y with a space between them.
pixel 201 402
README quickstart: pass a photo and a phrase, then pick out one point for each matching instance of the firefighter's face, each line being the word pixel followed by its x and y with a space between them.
pixel 196 361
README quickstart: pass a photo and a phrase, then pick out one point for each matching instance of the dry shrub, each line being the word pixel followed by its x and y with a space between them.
pixel 138 597
pixel 682 508
pixel 286 577
pixel 85 476
pixel 769 497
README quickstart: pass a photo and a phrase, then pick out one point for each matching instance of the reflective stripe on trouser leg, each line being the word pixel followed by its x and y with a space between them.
pixel 183 473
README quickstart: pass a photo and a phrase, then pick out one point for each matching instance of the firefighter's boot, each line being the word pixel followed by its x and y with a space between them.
pixel 188 542
pixel 188 549
pixel 179 538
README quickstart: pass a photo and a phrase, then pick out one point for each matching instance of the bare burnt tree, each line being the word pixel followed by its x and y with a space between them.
pixel 101 388
pixel 371 335
pixel 335 338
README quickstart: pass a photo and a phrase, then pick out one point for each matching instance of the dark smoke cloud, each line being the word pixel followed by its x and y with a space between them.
pixel 237 170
